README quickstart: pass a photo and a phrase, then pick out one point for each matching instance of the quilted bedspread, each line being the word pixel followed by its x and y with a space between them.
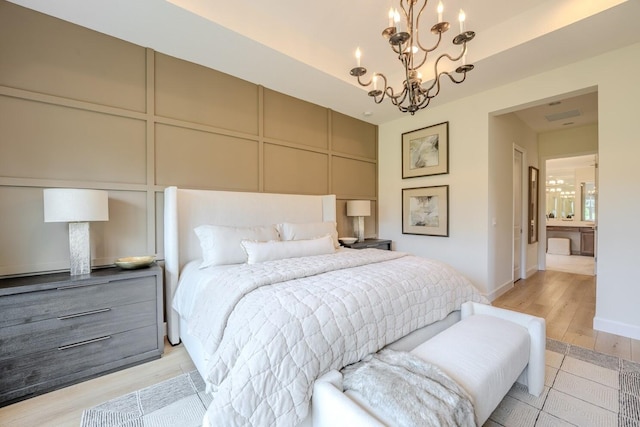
pixel 271 329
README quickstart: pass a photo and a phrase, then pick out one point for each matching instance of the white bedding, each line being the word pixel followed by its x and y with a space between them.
pixel 269 330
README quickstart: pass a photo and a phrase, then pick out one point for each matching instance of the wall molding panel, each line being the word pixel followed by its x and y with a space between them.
pixel 82 109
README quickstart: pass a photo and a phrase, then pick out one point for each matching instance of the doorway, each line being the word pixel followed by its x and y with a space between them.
pixel 570 206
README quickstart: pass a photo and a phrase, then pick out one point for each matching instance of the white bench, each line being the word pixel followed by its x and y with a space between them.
pixel 485 353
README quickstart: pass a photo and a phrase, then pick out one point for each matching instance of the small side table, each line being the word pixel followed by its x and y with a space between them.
pixel 370 243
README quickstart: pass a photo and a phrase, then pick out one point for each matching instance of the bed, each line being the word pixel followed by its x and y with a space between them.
pixel 262 331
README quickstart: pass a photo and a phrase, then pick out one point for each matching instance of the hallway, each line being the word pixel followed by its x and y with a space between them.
pixel 567 302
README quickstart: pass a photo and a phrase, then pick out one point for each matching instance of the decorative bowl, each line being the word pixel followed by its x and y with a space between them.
pixel 131 262
pixel 348 240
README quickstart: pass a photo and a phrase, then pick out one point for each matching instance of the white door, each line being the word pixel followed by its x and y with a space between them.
pixel 517 214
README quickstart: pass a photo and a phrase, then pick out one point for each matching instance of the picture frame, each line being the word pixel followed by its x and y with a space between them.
pixel 532 229
pixel 425 211
pixel 425 151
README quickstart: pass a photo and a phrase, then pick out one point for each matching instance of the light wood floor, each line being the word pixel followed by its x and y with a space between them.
pixel 566 301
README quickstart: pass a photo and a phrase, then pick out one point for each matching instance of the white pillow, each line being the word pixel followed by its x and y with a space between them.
pixel 222 245
pixel 273 250
pixel 308 230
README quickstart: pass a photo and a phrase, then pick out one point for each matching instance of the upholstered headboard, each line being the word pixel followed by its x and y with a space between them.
pixel 186 209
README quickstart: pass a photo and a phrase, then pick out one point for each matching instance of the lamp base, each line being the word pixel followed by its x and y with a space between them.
pixel 79 248
pixel 358 227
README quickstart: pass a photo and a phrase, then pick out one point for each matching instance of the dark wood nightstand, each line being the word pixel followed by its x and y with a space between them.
pixel 56 330
pixel 370 243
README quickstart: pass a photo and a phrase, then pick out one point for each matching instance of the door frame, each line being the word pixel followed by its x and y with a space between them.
pixel 524 178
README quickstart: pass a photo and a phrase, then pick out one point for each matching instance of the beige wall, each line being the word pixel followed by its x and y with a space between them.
pixel 82 109
pixel 568 142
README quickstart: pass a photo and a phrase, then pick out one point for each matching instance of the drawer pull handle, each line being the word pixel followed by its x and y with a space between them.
pixel 86 313
pixel 81 343
pixel 80 285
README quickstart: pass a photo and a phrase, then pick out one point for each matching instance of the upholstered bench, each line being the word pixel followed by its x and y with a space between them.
pixel 485 353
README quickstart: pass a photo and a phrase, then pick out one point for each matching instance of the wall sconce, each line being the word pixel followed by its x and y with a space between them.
pixel 77 207
pixel 358 209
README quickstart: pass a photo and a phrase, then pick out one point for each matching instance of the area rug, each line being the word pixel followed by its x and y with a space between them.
pixel 582 388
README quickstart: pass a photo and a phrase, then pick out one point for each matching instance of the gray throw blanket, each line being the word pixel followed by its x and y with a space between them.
pixel 409 390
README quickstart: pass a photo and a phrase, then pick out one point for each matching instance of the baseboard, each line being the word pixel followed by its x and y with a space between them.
pixel 500 290
pixel 616 328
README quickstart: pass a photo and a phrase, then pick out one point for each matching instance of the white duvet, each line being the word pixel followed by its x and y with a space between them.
pixel 269 330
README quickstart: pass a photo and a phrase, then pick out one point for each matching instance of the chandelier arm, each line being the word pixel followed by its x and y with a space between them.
pixel 416 37
pixel 383 91
pixel 453 79
pixel 399 98
pixel 435 46
pixel 425 102
pixel 395 98
pixel 408 85
pixel 424 5
pixel 462 53
pixel 424 59
pixel 436 82
pixel 364 84
pixel 405 8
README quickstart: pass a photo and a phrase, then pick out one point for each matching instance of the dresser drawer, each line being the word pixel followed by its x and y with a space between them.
pixel 20 376
pixel 71 300
pixel 57 330
pixel 28 338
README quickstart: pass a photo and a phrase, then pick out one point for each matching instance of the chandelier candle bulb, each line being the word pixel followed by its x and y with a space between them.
pixel 440 10
pixel 396 20
pixel 461 18
pixel 391 16
pixel 358 55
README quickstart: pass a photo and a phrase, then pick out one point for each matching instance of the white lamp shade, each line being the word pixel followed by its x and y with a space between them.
pixel 358 208
pixel 75 205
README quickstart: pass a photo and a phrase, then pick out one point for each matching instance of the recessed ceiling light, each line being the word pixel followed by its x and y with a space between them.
pixel 367 114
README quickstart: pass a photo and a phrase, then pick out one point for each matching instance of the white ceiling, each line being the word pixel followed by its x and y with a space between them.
pixel 306 48
pixel 562 113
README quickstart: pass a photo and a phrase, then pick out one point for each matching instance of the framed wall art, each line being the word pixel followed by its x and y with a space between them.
pixel 533 204
pixel 425 211
pixel 426 151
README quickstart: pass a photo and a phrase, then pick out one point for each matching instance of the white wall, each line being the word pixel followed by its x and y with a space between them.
pixel 466 246
pixel 505 131
pixel 471 246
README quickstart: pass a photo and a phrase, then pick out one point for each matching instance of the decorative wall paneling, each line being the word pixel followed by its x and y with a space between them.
pixel 82 109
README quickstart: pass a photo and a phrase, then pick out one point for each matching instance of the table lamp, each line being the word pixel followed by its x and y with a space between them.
pixel 77 207
pixel 358 209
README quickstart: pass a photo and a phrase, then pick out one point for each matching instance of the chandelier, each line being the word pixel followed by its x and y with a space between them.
pixel 404 39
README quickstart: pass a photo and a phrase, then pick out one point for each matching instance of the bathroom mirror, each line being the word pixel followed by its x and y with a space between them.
pixel 533 204
pixel 588 197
